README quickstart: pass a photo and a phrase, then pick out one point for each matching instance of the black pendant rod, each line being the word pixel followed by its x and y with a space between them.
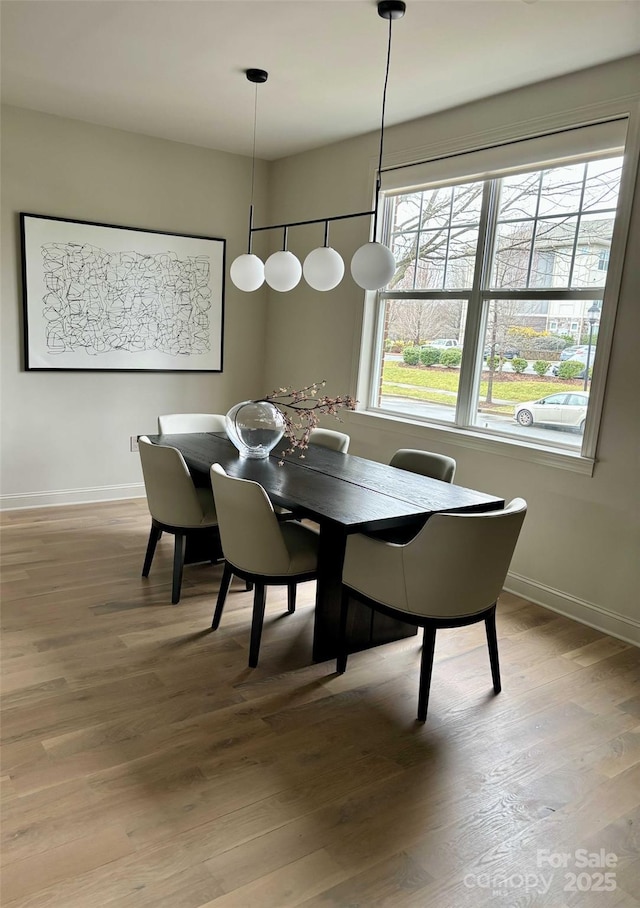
pixel 257 76
pixel 387 9
pixel 250 240
pixel 337 217
pixel 384 104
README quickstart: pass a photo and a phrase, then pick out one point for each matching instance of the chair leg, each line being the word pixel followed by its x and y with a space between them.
pixel 178 564
pixel 492 641
pixel 154 535
pixel 426 667
pixel 248 586
pixel 222 595
pixel 217 554
pixel 291 598
pixel 259 601
pixel 343 652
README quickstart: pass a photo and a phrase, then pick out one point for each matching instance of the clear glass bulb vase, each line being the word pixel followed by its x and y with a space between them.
pixel 255 427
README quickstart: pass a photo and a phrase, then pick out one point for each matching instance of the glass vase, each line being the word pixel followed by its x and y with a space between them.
pixel 255 427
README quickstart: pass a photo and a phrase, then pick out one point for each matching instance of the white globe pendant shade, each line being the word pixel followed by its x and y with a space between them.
pixel 373 266
pixel 247 272
pixel 323 268
pixel 282 271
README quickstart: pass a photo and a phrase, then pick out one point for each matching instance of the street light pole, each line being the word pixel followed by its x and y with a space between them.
pixel 593 313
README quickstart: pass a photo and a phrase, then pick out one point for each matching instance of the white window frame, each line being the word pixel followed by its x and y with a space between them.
pixel 483 439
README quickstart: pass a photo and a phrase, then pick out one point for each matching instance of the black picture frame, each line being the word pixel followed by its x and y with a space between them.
pixel 103 297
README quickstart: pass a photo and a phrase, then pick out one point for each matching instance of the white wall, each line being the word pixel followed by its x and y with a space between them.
pixel 580 545
pixel 65 435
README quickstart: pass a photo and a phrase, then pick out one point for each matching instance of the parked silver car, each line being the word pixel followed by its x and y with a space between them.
pixel 443 343
pixel 567 409
pixel 578 351
pixel 579 357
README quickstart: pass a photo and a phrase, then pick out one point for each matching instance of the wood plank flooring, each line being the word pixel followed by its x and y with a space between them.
pixel 143 763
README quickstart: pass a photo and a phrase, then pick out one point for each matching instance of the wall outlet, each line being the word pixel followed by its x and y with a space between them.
pixel 133 444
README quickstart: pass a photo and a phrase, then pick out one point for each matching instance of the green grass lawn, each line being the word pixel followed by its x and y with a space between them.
pixel 428 382
pixel 427 394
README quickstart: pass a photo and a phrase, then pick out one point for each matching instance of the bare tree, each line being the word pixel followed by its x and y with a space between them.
pixel 540 242
pixel 435 232
pixel 409 320
pixel 416 321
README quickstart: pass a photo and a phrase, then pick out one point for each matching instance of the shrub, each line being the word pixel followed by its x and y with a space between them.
pixel 429 356
pixel 555 343
pixel 540 367
pixel 570 369
pixel 411 355
pixel 494 362
pixel 518 364
pixel 548 342
pixel 451 357
pixel 520 333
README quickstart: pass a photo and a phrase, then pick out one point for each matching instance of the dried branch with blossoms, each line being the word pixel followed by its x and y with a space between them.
pixel 302 410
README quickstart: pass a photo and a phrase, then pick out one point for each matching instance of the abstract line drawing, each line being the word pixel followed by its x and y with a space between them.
pixel 102 297
pixel 127 301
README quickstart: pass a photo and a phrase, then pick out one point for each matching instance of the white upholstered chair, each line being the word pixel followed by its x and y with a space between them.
pixel 428 463
pixel 449 575
pixel 180 423
pixel 329 438
pixel 259 548
pixel 176 505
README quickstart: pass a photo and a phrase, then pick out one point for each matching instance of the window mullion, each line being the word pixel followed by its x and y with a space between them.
pixel 418 235
pixel 578 225
pixel 476 312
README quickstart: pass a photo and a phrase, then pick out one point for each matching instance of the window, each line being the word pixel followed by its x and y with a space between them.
pixel 512 269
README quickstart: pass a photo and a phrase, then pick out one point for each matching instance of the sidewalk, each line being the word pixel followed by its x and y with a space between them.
pixel 397 384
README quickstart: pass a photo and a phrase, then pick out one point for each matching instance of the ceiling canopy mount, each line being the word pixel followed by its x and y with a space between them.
pixel 392 9
pixel 257 76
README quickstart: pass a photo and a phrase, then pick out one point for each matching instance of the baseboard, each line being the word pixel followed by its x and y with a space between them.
pixel 71 496
pixel 588 613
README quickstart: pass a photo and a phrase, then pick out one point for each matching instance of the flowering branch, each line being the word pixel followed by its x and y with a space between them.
pixel 301 411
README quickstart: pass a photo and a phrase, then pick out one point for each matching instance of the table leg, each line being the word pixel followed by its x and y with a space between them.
pixel 331 548
pixel 366 628
pixel 203 545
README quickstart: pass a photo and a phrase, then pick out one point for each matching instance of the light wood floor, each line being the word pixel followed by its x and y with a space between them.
pixel 145 765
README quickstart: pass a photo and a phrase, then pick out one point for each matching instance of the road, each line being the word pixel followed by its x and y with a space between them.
pixel 424 410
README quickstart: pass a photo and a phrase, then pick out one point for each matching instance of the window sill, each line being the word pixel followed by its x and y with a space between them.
pixel 480 441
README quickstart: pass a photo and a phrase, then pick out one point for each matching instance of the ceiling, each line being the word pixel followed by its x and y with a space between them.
pixel 175 68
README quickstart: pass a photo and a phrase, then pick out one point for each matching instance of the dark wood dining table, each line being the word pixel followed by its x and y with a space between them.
pixel 344 494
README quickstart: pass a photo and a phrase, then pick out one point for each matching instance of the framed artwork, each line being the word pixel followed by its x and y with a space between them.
pixel 103 298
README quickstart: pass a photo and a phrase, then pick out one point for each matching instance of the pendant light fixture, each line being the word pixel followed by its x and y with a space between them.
pixel 247 271
pixel 372 266
pixel 283 270
pixel 323 268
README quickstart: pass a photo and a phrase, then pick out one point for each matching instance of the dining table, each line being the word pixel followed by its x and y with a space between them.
pixel 343 494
